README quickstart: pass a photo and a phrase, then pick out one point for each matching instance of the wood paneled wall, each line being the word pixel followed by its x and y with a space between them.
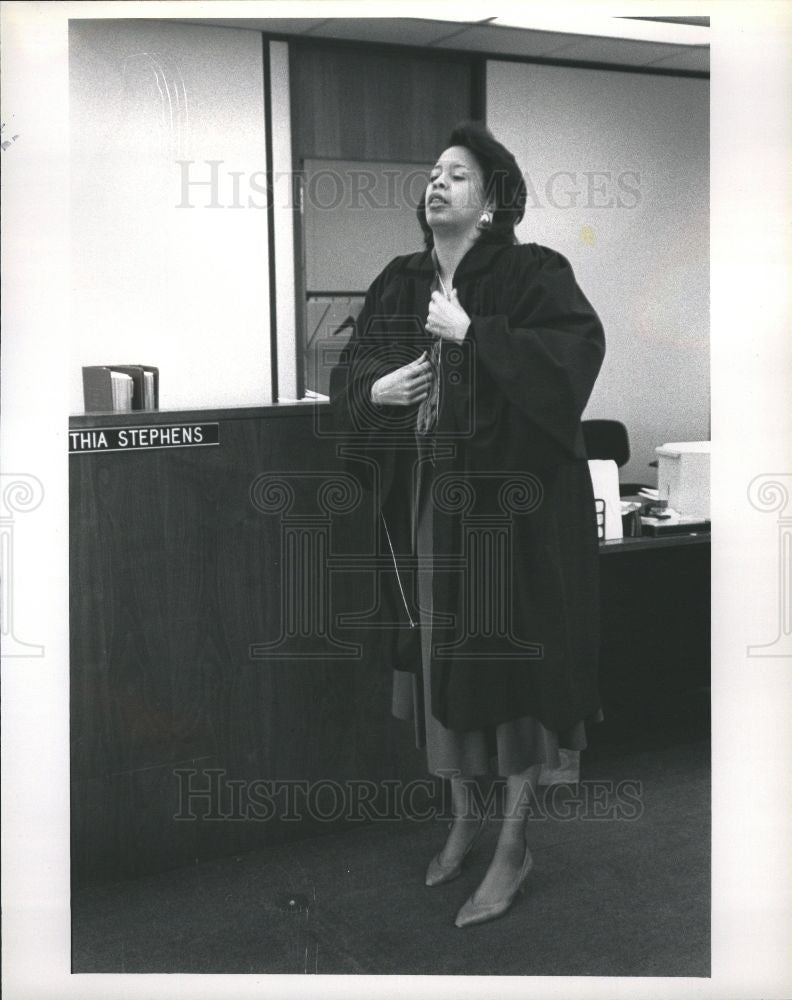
pixel 358 103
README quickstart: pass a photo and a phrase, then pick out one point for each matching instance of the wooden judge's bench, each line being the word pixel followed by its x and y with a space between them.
pixel 197 663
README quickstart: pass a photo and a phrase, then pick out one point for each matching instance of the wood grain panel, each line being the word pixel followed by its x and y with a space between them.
pixel 655 626
pixel 175 572
pixel 373 104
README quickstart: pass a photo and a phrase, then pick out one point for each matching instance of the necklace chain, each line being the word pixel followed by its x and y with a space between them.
pixel 436 263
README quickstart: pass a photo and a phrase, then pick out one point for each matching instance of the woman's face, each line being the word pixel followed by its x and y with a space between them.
pixel 455 192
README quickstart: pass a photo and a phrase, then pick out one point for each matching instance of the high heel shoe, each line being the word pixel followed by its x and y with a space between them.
pixel 478 913
pixel 438 874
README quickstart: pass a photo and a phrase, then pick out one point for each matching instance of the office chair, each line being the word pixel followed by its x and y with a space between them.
pixel 609 439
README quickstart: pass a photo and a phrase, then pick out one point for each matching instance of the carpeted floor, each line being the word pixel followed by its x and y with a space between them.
pixel 610 895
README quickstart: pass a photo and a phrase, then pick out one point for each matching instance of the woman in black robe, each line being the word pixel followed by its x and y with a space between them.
pixel 459 399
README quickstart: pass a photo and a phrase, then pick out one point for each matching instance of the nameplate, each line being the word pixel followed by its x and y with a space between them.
pixel 143 438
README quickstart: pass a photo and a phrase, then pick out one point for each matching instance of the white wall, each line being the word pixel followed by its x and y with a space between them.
pixel 641 258
pixel 182 288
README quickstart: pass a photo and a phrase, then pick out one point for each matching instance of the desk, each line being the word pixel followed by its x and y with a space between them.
pixel 655 620
pixel 623 546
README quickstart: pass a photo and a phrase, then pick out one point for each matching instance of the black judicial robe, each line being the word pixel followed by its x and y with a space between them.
pixel 515 586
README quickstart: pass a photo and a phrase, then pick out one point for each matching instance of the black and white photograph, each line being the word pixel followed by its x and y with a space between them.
pixel 396 499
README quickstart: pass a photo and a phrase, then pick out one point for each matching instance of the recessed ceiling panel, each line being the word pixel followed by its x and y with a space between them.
pixel 273 25
pixel 506 41
pixel 614 50
pixel 391 30
pixel 495 39
pixel 697 59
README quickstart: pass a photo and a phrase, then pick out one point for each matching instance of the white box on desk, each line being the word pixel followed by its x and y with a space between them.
pixel 683 476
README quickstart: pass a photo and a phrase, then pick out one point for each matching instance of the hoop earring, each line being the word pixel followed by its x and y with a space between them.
pixel 484 220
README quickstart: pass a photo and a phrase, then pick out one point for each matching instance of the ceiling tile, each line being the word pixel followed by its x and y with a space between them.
pixel 697 58
pixel 615 50
pixel 506 41
pixel 488 38
pixel 275 25
pixel 393 30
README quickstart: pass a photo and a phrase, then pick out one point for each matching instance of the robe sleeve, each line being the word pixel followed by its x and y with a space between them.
pixel 545 349
pixel 356 420
pixel 359 366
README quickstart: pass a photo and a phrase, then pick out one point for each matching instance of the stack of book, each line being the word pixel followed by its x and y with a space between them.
pixel 116 388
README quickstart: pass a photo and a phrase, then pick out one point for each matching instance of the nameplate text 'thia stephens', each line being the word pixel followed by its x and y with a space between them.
pixel 143 438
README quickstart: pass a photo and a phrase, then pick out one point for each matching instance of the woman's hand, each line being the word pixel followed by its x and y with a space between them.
pixel 447 318
pixel 404 386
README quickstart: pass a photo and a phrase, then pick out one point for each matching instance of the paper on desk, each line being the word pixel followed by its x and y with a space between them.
pixel 605 482
pixel 309 397
pixel 674 517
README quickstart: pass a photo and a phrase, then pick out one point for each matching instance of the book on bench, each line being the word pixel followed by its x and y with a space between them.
pixel 118 388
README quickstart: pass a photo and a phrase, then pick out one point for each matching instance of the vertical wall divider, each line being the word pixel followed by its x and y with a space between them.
pixel 283 209
pixel 478 96
pixel 298 193
pixel 273 316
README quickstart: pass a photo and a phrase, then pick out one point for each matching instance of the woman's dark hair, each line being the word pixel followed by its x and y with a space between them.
pixel 503 183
